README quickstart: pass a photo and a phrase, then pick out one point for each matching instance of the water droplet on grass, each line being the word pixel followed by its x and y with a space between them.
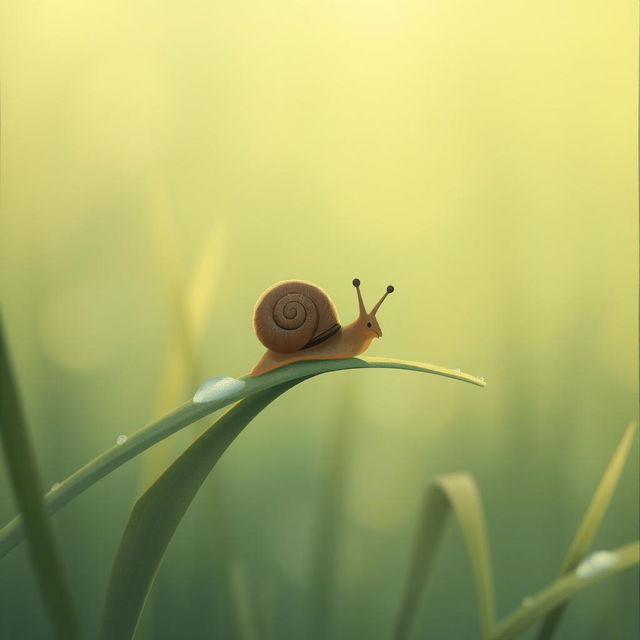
pixel 55 486
pixel 481 378
pixel 218 388
pixel 121 439
pixel 457 370
pixel 596 563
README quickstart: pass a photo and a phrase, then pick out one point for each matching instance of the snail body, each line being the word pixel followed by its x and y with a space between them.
pixel 296 320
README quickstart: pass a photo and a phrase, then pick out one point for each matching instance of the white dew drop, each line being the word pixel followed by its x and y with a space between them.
pixel 55 486
pixel 596 563
pixel 481 378
pixel 457 370
pixel 121 439
pixel 218 388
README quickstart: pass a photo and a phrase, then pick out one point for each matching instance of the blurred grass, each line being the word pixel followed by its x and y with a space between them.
pixel 246 619
pixel 590 523
pixel 331 512
pixel 266 609
pixel 27 487
pixel 458 493
pixel 561 591
pixel 188 304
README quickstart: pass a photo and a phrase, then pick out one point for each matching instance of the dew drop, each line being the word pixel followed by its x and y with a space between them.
pixel 596 563
pixel 55 486
pixel 121 439
pixel 218 388
pixel 457 370
pixel 481 378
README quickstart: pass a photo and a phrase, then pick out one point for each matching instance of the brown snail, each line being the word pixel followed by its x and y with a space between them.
pixel 296 320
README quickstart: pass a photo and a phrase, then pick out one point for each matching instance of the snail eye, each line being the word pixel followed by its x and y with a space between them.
pixel 369 325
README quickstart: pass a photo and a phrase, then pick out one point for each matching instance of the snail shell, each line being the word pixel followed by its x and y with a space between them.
pixel 293 315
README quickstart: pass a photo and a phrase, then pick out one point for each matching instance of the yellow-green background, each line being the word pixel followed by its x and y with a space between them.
pixel 481 157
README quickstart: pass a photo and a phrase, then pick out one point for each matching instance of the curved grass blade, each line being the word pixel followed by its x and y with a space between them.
pixel 561 590
pixel 458 493
pixel 590 523
pixel 204 280
pixel 158 512
pixel 189 313
pixel 27 487
pixel 221 396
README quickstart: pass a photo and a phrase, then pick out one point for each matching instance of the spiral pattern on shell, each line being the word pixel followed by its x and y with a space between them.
pixel 290 314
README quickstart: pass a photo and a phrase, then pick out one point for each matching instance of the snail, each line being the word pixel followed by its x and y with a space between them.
pixel 296 321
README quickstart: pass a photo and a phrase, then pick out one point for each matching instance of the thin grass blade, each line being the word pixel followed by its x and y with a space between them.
pixel 219 396
pixel 157 514
pixel 429 533
pixel 458 493
pixel 204 280
pixel 27 488
pixel 189 313
pixel 590 523
pixel 168 260
pixel 561 590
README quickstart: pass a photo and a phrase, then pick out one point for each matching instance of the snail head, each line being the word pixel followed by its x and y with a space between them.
pixel 368 320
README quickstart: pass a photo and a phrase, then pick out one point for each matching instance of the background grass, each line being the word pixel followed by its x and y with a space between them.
pixel 459 494
pixel 481 158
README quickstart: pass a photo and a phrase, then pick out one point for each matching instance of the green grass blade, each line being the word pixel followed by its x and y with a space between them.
pixel 204 279
pixel 457 493
pixel 430 529
pixel 27 487
pixel 560 591
pixel 158 512
pixel 590 523
pixel 12 533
